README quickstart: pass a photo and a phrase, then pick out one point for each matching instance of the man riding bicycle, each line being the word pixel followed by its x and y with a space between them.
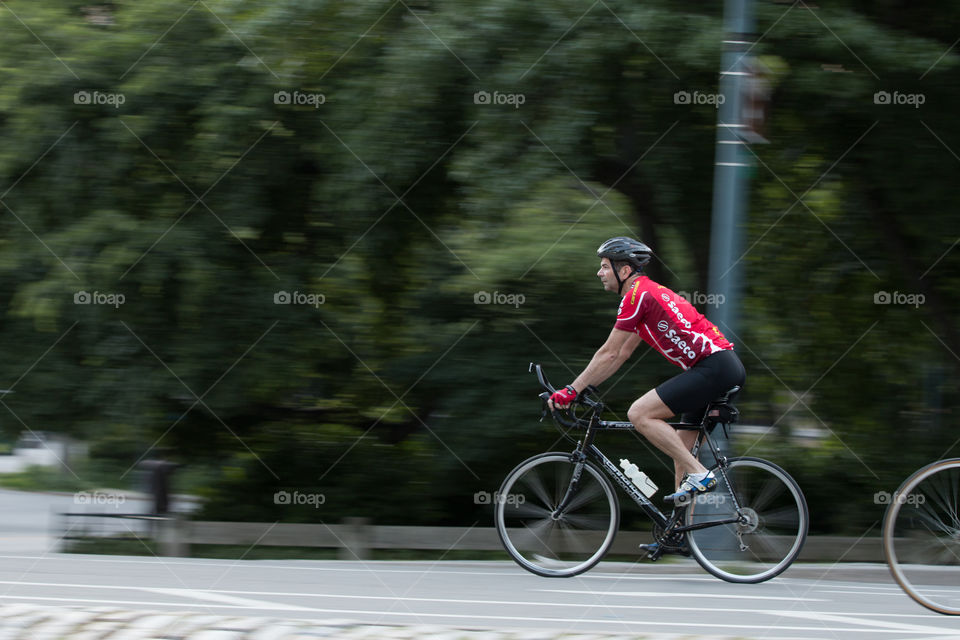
pixel 667 322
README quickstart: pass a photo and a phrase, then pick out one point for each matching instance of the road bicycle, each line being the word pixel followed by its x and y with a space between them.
pixel 557 513
pixel 921 536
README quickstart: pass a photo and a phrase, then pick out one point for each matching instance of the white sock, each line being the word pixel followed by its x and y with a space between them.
pixel 699 477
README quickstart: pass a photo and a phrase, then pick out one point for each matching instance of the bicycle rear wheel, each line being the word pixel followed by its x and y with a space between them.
pixel 773 526
pixel 542 541
pixel 921 536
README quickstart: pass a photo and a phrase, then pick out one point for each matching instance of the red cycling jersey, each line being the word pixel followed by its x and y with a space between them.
pixel 669 324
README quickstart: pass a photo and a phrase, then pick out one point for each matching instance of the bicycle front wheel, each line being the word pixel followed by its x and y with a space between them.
pixel 550 543
pixel 921 536
pixel 771 530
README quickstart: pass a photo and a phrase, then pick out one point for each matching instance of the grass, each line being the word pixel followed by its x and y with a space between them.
pixel 38 478
pixel 86 474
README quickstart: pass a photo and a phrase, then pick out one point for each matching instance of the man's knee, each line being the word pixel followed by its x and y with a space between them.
pixel 638 416
pixel 647 409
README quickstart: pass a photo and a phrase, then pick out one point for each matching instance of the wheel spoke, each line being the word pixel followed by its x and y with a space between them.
pixel 535 483
pixel 585 495
pixel 529 511
pixel 771 489
pixel 783 517
pixel 539 531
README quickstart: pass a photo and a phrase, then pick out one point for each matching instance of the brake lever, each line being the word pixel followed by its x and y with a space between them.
pixel 543 410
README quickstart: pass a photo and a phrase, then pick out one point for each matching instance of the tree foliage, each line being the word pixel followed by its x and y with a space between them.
pixel 402 159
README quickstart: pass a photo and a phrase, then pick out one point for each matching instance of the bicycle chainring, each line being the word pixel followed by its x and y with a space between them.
pixel 673 542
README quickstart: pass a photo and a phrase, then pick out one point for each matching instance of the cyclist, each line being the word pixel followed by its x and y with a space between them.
pixel 667 322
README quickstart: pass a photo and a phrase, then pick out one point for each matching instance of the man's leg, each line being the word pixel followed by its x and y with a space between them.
pixel 647 415
pixel 688 438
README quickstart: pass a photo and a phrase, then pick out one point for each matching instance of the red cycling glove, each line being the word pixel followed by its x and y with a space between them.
pixel 563 397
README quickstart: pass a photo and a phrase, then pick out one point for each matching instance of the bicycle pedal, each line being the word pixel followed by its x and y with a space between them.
pixel 654 551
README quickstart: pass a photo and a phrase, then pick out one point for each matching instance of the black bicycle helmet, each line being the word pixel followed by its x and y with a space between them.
pixel 623 249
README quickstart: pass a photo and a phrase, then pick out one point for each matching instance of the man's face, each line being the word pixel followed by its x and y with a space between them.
pixel 606 275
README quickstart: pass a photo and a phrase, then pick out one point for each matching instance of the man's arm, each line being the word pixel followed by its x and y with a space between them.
pixel 608 358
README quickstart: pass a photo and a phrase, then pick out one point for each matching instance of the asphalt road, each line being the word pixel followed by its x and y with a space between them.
pixel 848 602
pixel 845 601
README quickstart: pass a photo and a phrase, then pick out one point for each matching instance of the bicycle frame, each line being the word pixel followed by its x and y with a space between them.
pixel 587 450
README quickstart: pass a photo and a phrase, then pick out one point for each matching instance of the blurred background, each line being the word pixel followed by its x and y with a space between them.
pixel 310 247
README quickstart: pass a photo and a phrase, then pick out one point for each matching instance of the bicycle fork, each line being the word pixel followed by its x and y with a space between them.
pixel 579 460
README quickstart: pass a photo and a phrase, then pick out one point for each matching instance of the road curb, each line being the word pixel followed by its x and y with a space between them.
pixel 38 622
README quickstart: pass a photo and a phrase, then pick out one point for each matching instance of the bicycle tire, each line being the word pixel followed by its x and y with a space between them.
pixel 548 546
pixel 921 536
pixel 769 540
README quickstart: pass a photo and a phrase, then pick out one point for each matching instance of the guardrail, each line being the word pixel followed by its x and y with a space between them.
pixel 356 538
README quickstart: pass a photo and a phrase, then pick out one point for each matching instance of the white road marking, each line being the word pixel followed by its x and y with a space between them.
pixel 889 625
pixel 213 596
pixel 664 594
pixel 859 592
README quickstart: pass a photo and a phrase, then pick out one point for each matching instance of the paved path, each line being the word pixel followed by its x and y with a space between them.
pixel 336 599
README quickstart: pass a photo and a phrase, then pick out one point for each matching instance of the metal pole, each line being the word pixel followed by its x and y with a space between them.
pixel 730 177
pixel 731 167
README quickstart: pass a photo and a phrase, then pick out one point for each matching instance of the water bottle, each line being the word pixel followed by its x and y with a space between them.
pixel 639 478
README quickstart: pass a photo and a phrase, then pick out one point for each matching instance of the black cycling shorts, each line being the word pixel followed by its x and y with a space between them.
pixel 689 393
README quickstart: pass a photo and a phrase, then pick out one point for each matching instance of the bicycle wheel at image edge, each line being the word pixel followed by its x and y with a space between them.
pixel 771 534
pixel 921 536
pixel 556 545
